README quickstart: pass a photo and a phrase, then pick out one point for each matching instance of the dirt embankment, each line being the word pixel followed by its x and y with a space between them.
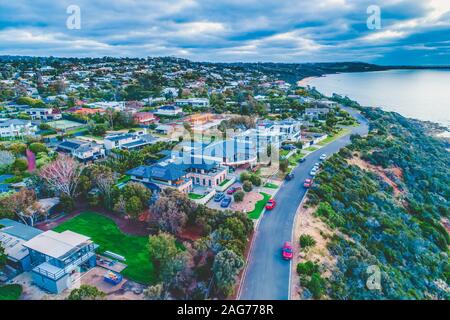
pixel 381 172
pixel 307 223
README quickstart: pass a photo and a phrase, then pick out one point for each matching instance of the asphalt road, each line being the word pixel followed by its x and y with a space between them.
pixel 267 274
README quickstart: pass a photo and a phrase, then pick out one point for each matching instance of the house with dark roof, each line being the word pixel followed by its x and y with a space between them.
pixel 181 175
pixel 84 151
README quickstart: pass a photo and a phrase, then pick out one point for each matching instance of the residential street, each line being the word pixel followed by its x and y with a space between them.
pixel 267 275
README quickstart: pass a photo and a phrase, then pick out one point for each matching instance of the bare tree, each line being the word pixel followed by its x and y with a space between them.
pixel 104 180
pixel 62 175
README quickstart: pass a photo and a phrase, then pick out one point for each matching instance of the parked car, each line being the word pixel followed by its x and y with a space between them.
pixel 233 190
pixel 308 183
pixel 301 160
pixel 288 147
pixel 286 251
pixel 219 196
pixel 323 156
pixel 317 164
pixel 313 172
pixel 289 176
pixel 225 202
pixel 270 204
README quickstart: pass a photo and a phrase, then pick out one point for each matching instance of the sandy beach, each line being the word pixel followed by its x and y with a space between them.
pixel 304 81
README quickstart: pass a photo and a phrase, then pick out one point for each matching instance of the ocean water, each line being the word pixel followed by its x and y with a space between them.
pixel 418 94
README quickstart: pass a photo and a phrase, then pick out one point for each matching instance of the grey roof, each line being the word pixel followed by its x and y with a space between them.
pixel 71 144
pixel 18 229
pixel 169 172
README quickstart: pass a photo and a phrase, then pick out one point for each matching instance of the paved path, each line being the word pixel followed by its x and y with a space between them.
pixel 267 275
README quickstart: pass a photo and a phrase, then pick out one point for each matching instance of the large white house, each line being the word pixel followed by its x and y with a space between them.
pixel 168 111
pixel 128 141
pixel 193 102
pixel 17 128
pixel 42 114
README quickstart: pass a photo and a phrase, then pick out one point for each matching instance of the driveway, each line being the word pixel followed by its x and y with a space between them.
pixel 267 275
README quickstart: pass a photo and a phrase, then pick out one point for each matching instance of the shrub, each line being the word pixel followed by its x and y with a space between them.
pixel 37 147
pixel 244 176
pixel 20 165
pixel 307 268
pixel 316 285
pixel 247 186
pixel 256 180
pixel 239 196
pixel 306 241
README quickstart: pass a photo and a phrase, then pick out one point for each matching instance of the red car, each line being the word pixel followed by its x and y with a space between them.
pixel 308 183
pixel 233 190
pixel 270 204
pixel 286 252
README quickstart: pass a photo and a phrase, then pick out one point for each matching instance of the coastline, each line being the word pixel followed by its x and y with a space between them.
pixel 304 82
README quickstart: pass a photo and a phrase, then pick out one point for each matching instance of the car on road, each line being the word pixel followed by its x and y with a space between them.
pixel 270 204
pixel 323 156
pixel 233 190
pixel 225 202
pixel 286 251
pixel 308 183
pixel 289 176
pixel 301 160
pixel 219 196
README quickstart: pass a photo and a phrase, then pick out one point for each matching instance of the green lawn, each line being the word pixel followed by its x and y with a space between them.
pixel 124 179
pixel 271 185
pixel 329 139
pixel 259 207
pixel 284 153
pixel 104 232
pixel 224 182
pixel 293 160
pixel 195 196
pixel 311 148
pixel 10 292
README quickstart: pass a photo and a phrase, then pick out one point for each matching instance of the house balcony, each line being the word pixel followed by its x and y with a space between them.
pixel 53 272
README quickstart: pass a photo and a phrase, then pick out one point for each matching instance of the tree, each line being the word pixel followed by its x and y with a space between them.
pixel 247 186
pixel 316 285
pixel 156 292
pixel 244 176
pixel 62 175
pixel 37 147
pixel 3 256
pixel 133 207
pixel 18 148
pixel 20 165
pixel 239 196
pixel 24 205
pixel 172 210
pixel 256 180
pixel 104 179
pixel 167 258
pixel 226 267
pixel 284 164
pixel 6 159
pixel 86 292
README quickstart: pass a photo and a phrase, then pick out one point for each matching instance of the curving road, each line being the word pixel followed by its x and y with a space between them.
pixel 267 275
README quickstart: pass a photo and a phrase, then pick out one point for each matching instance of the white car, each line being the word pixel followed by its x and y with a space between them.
pixel 323 156
pixel 313 172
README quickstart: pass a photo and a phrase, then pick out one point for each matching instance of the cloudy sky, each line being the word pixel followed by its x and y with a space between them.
pixel 412 31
